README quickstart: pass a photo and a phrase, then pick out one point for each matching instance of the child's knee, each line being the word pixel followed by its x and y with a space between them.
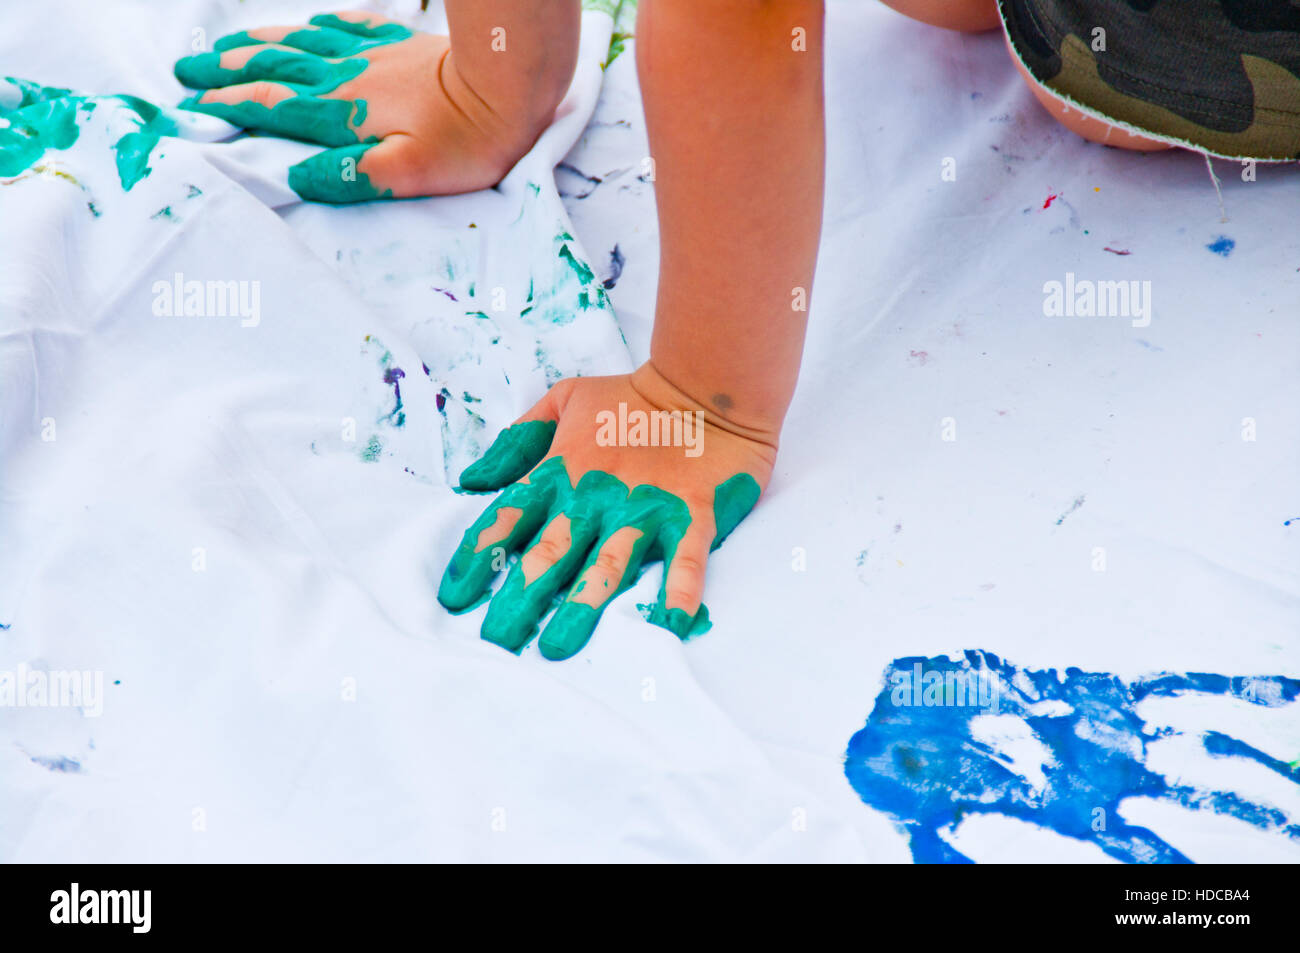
pixel 969 16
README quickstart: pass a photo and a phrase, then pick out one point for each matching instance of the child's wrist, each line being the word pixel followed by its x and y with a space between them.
pixel 675 394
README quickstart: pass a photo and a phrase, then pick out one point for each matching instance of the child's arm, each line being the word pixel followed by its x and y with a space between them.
pixel 405 113
pixel 733 104
pixel 733 101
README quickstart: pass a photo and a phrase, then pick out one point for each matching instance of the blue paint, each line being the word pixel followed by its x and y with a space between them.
pixel 919 760
pixel 1286 523
pixel 61 764
pixel 1078 502
pixel 616 263
pixel 1223 245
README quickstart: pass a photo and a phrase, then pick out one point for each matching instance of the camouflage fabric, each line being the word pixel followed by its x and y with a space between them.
pixel 1220 75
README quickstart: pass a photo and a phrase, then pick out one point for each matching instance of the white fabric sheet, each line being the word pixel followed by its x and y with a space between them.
pixel 280 682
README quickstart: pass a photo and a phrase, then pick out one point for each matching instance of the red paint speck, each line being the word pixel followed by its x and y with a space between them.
pixel 920 356
pixel 1051 197
pixel 1118 251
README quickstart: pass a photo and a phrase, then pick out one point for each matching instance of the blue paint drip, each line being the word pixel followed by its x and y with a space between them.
pixel 922 764
pixel 1223 245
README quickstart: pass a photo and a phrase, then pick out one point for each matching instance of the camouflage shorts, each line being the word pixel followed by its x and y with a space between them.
pixel 1220 76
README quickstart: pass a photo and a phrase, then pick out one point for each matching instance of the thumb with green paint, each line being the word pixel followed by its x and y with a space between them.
pixel 602 478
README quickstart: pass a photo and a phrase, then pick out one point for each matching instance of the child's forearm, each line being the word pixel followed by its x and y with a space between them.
pixel 733 103
pixel 513 62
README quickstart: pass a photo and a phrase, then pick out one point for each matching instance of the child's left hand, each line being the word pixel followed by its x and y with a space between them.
pixel 588 513
pixel 391 103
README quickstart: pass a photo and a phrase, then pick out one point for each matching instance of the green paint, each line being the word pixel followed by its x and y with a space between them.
pixel 513 614
pixel 515 451
pixel 597 508
pixel 580 268
pixel 311 114
pixel 335 176
pixel 677 621
pixel 46 117
pixel 371 451
pixel 134 148
pixel 311 75
pixel 303 117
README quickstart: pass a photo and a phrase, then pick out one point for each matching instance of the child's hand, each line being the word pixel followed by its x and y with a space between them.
pixel 401 118
pixel 602 510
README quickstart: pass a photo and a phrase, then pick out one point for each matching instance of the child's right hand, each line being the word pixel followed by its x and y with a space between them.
pixel 390 102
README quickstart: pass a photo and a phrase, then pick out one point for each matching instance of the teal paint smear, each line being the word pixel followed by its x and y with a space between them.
pixel 38 124
pixel 371 451
pixel 325 178
pixel 134 148
pixel 516 450
pixel 302 117
pixel 46 117
pixel 599 506
pixel 310 74
pixel 362 110
pixel 580 269
pixel 677 621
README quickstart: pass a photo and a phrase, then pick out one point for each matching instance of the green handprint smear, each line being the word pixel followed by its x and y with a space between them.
pixel 920 760
pixel 323 58
pixel 597 508
pixel 50 117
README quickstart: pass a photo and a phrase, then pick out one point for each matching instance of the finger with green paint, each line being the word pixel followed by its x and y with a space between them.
pixel 404 113
pixel 586 513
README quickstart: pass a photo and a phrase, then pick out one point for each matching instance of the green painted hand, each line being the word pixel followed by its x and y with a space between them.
pixel 390 102
pixel 566 468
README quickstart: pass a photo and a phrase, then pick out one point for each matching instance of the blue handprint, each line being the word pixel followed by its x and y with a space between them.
pixel 920 760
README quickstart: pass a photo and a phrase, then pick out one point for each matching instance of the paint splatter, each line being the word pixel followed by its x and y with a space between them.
pixel 1223 246
pixel 1051 197
pixel 1148 345
pixel 931 754
pixel 1287 523
pixel 616 263
pixel 1117 251
pixel 651 612
pixel 1078 502
pixel 921 357
pixel 570 170
pixel 60 764
pixel 371 451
